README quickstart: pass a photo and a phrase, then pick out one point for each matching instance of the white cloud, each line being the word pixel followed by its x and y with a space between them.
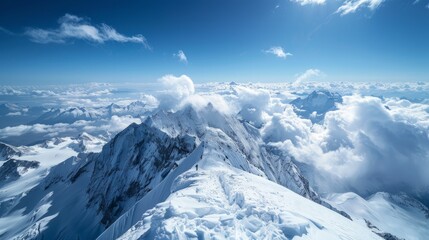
pixel 199 102
pixel 175 90
pixel 29 130
pixel 278 51
pixel 286 126
pixel 181 56
pixel 307 75
pixel 307 2
pixel 117 123
pixel 252 103
pixel 74 27
pixel 10 91
pixel 351 6
pixel 363 146
pixel 368 144
pixel 27 134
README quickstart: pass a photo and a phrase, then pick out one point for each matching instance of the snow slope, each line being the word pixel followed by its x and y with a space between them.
pixel 41 157
pixel 386 213
pixel 219 201
pixel 25 217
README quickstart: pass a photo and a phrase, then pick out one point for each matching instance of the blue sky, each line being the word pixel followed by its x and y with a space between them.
pixel 226 40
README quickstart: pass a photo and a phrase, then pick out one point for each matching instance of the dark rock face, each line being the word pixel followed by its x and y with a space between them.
pixel 7 151
pixel 389 236
pixel 10 169
pixel 384 235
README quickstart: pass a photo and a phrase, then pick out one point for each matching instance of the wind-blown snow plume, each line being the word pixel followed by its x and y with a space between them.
pixel 307 75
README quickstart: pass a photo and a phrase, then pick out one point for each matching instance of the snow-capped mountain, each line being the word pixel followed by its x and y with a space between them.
pixel 69 115
pixel 316 104
pixel 140 159
pixel 384 212
pixel 87 143
pixel 73 114
pixel 234 146
pixel 8 151
pixel 26 171
pixel 144 183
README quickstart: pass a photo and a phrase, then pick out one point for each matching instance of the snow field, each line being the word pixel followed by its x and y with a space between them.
pixel 225 203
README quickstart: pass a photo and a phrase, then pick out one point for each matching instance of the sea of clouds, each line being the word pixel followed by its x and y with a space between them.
pixel 377 139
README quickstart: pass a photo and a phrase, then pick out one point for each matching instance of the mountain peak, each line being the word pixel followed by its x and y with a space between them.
pixel 316 104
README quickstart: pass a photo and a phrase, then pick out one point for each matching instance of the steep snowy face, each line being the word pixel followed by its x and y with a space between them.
pixel 315 105
pixel 99 186
pixel 386 213
pixel 224 139
pixel 241 144
pixel 131 165
pixel 8 151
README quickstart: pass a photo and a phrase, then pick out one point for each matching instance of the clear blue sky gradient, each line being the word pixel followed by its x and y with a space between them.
pixel 224 40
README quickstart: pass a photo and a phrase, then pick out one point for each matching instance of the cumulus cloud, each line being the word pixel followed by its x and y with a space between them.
pixel 286 126
pixel 178 92
pixel 307 2
pixel 175 90
pixel 351 6
pixel 181 56
pixel 74 27
pixel 278 52
pixel 307 75
pixel 367 145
